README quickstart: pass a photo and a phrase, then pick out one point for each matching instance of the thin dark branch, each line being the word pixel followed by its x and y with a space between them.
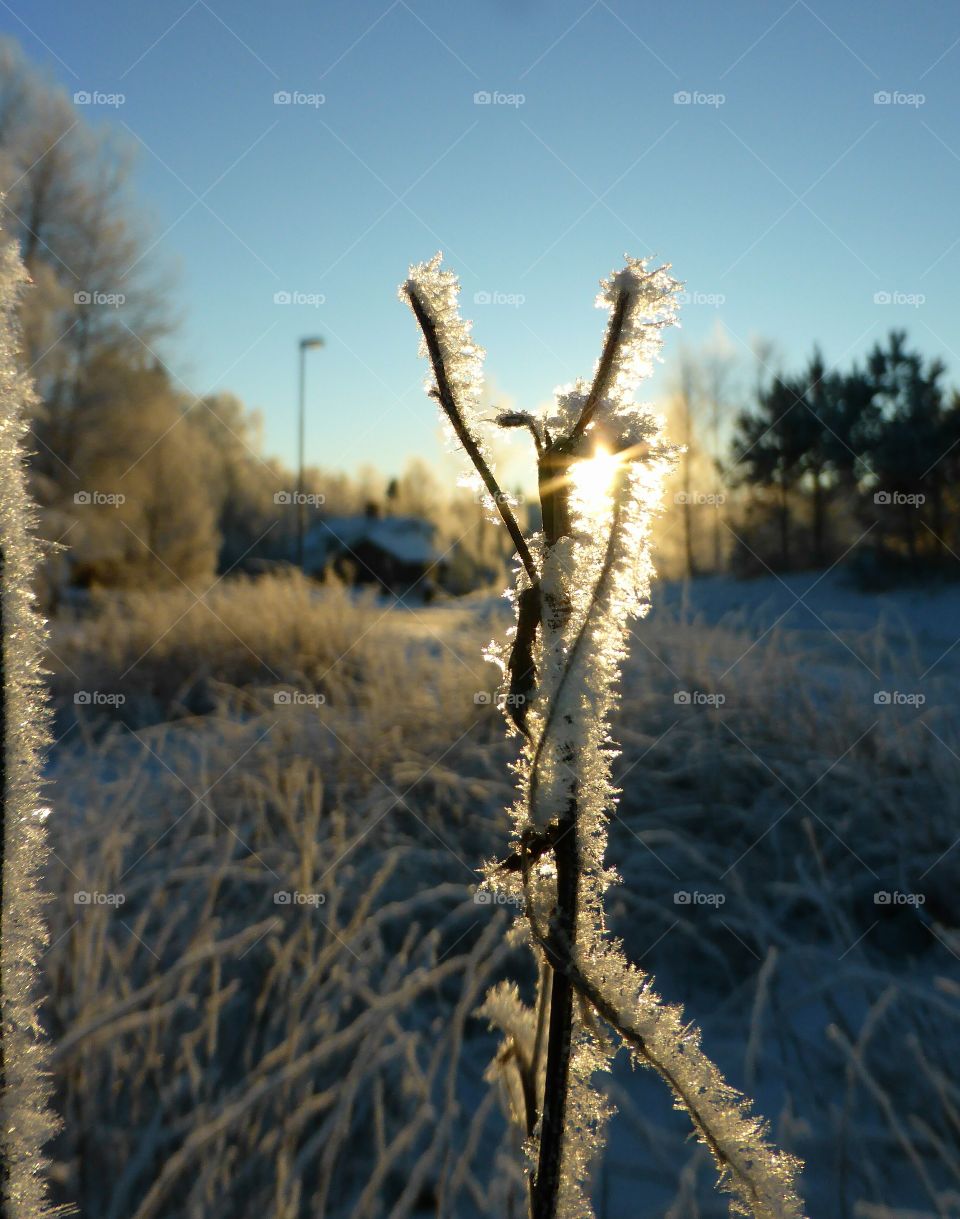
pixel 602 578
pixel 561 961
pixel 546 1186
pixel 515 419
pixel 448 402
pixel 601 382
pixel 565 840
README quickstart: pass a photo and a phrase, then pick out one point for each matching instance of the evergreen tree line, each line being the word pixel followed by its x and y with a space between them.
pixel 861 464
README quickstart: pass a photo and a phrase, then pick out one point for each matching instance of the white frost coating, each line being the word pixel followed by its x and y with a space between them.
pixel 462 358
pixel 594 579
pixel 26 1121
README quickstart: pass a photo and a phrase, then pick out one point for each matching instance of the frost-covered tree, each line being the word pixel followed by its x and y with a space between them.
pixel 601 462
pixel 25 1123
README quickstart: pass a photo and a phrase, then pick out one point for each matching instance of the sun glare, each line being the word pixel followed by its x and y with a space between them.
pixel 592 478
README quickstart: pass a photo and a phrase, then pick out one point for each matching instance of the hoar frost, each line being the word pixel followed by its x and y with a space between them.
pixel 26 1121
pixel 602 460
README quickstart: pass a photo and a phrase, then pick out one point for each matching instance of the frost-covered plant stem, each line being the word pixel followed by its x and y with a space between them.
pixel 444 395
pixel 4 1167
pixel 25 1122
pixel 601 464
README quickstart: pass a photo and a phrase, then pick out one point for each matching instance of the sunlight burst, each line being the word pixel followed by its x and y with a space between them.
pixel 593 478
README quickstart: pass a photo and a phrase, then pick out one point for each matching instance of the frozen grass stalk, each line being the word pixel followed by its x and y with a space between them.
pixel 26 1122
pixel 601 465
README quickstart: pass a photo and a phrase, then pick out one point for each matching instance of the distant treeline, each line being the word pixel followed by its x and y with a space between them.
pixel 144 483
pixel 862 462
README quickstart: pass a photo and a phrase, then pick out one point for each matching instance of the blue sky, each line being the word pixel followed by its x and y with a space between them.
pixel 784 195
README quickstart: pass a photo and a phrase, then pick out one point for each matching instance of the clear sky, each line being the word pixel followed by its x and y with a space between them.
pixel 782 192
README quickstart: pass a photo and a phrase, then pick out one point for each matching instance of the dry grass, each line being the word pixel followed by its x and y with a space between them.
pixel 220 1054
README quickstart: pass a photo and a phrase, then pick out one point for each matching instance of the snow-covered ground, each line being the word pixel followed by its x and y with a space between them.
pixel 797 799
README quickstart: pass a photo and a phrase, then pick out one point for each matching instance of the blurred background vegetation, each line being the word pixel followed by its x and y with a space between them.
pixel 148 485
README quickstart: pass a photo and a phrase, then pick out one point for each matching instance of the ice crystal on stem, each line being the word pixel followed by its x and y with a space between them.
pixel 601 464
pixel 26 1122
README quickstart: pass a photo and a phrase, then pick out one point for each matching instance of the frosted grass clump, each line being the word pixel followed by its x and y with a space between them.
pixel 26 1121
pixel 602 460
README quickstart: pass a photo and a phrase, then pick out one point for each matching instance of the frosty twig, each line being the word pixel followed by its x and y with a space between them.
pixel 445 396
pixel 25 1122
pixel 601 464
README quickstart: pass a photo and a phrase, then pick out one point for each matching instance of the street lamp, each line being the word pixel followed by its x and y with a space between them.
pixel 305 345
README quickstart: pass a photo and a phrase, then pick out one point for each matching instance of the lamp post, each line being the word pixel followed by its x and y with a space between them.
pixel 305 345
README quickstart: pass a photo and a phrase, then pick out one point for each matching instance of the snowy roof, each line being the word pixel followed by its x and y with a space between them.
pixel 409 539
